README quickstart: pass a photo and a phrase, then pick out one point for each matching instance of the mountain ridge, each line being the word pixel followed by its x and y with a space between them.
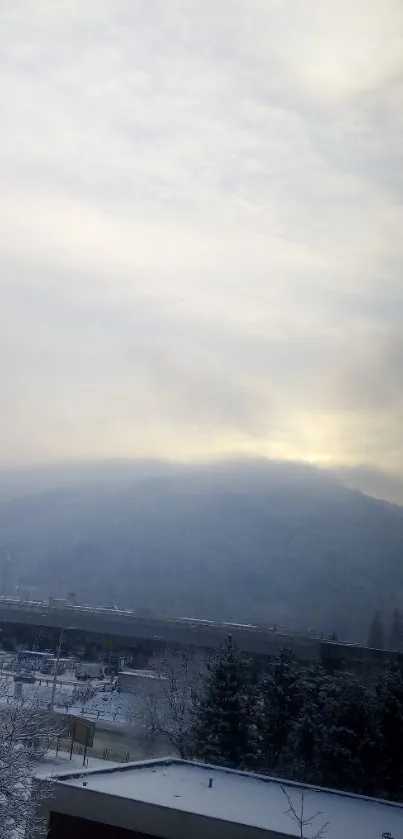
pixel 235 540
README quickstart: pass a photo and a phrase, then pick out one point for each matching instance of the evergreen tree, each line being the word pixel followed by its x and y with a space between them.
pixel 306 729
pixel 376 635
pixel 389 717
pixel 280 704
pixel 334 740
pixel 222 730
pixel 347 743
pixel 395 639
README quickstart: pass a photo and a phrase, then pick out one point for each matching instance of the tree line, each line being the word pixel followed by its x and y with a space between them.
pixel 292 720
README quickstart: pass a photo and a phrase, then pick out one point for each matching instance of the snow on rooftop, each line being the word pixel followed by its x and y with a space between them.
pixel 143 674
pixel 51 766
pixel 246 799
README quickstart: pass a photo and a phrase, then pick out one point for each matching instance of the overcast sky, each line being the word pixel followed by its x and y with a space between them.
pixel 201 229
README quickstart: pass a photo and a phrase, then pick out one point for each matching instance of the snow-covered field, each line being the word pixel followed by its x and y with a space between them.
pixel 88 699
pixel 120 708
pixel 51 765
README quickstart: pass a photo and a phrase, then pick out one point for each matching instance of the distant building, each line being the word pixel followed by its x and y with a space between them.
pixel 173 799
pixel 85 670
pixel 138 681
pixel 26 590
pixel 57 602
pixel 32 660
pixel 6 582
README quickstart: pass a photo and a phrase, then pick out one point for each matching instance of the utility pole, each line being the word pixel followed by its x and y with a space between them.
pixel 59 649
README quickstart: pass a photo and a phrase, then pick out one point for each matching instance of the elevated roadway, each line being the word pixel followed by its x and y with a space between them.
pixel 171 631
pixel 186 632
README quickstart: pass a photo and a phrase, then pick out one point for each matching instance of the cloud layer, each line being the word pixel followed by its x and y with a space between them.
pixel 201 215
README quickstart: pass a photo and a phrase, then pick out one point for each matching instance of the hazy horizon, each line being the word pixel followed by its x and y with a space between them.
pixel 201 233
pixel 46 476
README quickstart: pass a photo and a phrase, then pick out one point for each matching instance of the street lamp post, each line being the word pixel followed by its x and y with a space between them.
pixel 54 685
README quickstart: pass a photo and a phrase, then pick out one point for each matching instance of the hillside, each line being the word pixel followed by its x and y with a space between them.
pixel 245 541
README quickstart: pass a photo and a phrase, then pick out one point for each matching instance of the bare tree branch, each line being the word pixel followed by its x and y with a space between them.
pixel 165 708
pixel 298 816
pixel 23 724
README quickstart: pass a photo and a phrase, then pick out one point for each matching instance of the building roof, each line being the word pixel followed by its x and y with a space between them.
pixel 143 674
pixel 243 798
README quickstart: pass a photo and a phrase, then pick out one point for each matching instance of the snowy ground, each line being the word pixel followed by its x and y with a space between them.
pixel 119 708
pixel 119 733
pixel 51 765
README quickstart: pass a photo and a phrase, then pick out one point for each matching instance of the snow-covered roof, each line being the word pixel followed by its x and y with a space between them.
pixel 243 798
pixel 143 674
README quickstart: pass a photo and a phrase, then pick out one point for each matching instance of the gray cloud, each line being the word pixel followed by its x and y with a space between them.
pixel 201 222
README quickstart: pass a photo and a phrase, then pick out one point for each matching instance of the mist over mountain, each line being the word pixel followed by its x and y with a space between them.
pixel 371 481
pixel 240 540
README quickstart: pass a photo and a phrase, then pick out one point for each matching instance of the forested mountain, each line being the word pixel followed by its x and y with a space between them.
pixel 244 541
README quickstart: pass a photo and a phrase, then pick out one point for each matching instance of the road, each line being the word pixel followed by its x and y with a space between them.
pixel 186 632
